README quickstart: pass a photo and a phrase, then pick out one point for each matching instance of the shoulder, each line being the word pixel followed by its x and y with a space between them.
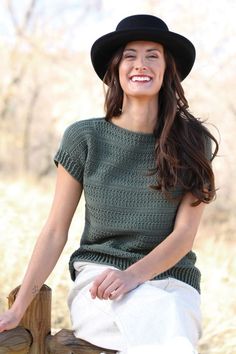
pixel 194 136
pixel 82 130
pixel 84 126
pixel 75 145
pixel 201 137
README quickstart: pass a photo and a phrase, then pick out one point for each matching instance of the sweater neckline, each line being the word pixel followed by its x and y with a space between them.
pixel 130 133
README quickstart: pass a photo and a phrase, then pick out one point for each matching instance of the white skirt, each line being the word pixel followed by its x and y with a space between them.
pixel 159 316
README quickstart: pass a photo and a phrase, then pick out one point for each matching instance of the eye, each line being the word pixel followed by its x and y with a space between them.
pixel 153 56
pixel 128 56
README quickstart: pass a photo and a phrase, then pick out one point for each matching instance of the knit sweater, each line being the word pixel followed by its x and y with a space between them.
pixel 124 218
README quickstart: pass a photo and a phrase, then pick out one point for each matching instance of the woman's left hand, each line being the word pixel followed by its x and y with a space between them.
pixel 113 283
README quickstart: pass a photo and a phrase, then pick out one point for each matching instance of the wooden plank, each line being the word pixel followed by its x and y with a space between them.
pixel 15 341
pixel 64 342
pixel 37 318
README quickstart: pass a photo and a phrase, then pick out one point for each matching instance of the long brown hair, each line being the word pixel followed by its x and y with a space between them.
pixel 182 142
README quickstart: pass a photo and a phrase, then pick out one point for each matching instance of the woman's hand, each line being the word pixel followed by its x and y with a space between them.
pixel 9 320
pixel 113 283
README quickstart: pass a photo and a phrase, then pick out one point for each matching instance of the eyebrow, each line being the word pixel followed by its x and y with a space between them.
pixel 148 50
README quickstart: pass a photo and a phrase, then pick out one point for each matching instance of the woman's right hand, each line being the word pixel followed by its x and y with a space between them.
pixel 9 320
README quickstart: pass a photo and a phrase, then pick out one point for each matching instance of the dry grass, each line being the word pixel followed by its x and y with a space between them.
pixel 24 206
pixel 216 259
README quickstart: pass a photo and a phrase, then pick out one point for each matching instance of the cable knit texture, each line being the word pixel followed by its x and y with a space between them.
pixel 125 219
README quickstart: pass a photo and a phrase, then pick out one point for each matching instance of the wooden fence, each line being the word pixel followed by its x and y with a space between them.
pixel 33 335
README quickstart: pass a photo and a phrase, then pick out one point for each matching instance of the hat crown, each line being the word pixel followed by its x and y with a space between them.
pixel 137 22
pixel 143 27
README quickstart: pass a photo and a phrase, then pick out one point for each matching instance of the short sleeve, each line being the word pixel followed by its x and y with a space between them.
pixel 73 151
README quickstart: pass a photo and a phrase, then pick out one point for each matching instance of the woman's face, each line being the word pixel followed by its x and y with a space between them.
pixel 142 68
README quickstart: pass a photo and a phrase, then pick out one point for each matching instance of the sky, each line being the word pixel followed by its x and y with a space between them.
pixel 97 17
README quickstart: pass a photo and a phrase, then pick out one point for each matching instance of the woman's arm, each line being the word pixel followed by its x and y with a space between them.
pixel 48 248
pixel 111 283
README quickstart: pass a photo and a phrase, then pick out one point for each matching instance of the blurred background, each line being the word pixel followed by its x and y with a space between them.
pixel 47 82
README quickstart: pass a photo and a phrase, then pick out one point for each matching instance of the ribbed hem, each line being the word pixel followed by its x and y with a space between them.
pixel 189 275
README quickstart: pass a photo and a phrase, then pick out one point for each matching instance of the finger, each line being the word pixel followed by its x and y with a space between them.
pixel 3 327
pixel 108 283
pixel 111 289
pixel 115 294
pixel 97 289
pixel 97 282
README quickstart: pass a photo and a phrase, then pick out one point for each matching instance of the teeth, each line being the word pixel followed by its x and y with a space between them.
pixel 140 78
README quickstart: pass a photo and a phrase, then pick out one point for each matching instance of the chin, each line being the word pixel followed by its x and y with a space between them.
pixel 143 95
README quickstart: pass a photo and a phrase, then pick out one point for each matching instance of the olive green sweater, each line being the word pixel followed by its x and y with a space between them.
pixel 125 219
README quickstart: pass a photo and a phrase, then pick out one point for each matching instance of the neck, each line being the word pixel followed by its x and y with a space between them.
pixel 138 115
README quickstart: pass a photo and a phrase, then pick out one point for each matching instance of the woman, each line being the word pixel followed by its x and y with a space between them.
pixel 146 173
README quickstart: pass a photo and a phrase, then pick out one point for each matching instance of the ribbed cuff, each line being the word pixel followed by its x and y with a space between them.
pixel 64 159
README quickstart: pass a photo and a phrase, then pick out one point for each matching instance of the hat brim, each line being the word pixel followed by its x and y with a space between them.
pixel 180 47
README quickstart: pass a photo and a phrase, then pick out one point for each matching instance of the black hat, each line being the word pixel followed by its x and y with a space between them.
pixel 148 28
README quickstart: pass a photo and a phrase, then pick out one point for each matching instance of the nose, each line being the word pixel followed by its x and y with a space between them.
pixel 140 63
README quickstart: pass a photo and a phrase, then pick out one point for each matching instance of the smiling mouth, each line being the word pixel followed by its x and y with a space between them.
pixel 136 78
